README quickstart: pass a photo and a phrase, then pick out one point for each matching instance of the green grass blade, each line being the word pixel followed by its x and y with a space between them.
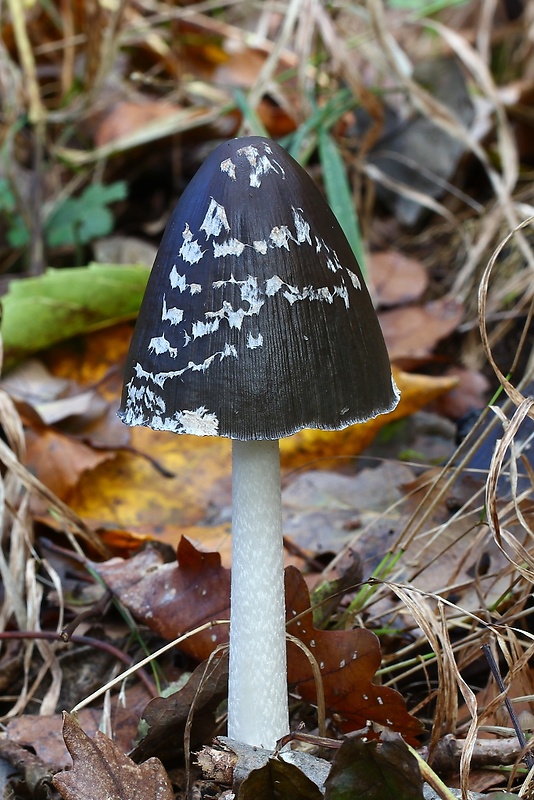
pixel 339 195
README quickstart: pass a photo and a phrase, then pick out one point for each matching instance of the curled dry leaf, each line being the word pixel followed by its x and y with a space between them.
pixel 125 117
pixel 101 770
pixel 278 780
pixel 165 718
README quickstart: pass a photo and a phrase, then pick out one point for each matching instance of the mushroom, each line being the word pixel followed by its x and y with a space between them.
pixel 256 323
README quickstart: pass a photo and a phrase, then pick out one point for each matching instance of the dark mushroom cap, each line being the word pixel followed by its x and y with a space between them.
pixel 256 321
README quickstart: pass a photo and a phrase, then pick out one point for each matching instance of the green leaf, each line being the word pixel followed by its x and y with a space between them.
pixel 369 771
pixel 278 780
pixel 79 220
pixel 18 235
pixel 39 312
pixel 7 198
pixel 339 195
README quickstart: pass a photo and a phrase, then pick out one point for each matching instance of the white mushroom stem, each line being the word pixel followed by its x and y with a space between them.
pixel 257 702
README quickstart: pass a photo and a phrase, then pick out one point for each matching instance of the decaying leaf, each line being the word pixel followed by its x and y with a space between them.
pixel 374 771
pixel 278 780
pixel 101 771
pixel 164 718
pixel 172 598
pixel 403 328
pixel 348 661
pixel 395 278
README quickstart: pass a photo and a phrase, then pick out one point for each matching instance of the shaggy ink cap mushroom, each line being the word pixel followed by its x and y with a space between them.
pixel 256 321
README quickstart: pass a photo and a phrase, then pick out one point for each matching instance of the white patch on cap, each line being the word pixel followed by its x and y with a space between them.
pixel 260 247
pixel 172 315
pixel 215 219
pixel 231 247
pixel 250 293
pixel 260 164
pixel 254 341
pixel 159 344
pixel 302 228
pixel 179 282
pixel 331 266
pixel 273 285
pixel 154 400
pixel 294 293
pixel 354 279
pixel 204 328
pixel 159 378
pixel 228 166
pixel 200 422
pixel 280 236
pixel 190 250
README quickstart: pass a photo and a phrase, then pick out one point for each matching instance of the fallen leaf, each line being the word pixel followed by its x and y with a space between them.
pixel 374 771
pixel 470 393
pixel 172 598
pixel 125 117
pixel 412 332
pixel 322 509
pixel 164 718
pixel 278 780
pixel 130 492
pixel 43 733
pixel 59 460
pixel 101 771
pixel 396 279
pixel 348 661
pixel 37 312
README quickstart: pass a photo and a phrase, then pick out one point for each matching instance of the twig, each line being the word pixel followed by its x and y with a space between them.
pixel 494 667
pixel 100 645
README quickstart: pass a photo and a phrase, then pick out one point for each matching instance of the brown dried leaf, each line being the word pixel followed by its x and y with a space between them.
pixel 395 278
pixel 101 771
pixel 59 460
pixel 165 718
pixel 125 117
pixel 412 332
pixel 175 597
pixel 348 661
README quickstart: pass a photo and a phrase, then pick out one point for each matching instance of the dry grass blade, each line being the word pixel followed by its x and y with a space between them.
pixel 446 713
pixel 32 484
pixel 267 71
pixel 522 558
pixel 470 701
pixel 509 388
pixel 131 670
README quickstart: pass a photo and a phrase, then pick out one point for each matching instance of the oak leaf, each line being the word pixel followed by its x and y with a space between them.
pixel 101 771
pixel 348 661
